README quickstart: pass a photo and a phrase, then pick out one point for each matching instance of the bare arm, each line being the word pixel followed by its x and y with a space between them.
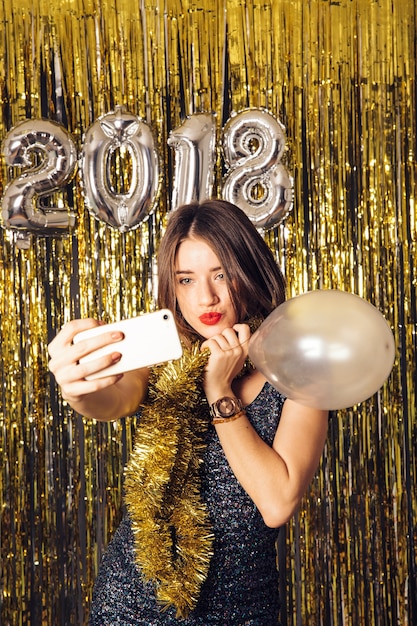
pixel 104 398
pixel 274 477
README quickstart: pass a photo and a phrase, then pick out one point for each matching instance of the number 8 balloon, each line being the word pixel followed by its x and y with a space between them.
pixel 256 181
pixel 327 349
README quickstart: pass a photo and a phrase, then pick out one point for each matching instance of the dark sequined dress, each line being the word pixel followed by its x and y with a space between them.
pixel 241 588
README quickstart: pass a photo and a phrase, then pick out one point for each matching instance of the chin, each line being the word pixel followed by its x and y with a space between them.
pixel 210 331
pixel 206 333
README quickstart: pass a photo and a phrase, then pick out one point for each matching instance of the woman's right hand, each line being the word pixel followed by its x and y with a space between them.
pixel 102 398
pixel 65 356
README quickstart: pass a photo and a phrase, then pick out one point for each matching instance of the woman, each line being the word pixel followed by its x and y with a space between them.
pixel 242 466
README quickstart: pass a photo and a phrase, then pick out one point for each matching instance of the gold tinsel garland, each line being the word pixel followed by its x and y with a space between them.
pixel 170 522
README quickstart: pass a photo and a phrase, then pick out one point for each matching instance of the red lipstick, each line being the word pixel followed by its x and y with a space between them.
pixel 210 319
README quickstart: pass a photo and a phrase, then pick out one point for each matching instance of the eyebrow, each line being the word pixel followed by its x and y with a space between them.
pixel 213 269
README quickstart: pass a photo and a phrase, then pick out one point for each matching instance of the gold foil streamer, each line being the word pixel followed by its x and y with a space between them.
pixel 341 77
pixel 173 537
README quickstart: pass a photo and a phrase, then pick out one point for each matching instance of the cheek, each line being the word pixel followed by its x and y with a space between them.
pixel 227 298
pixel 183 304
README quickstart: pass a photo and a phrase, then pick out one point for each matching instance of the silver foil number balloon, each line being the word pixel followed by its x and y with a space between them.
pixel 120 170
pixel 194 146
pixel 326 349
pixel 47 152
pixel 257 182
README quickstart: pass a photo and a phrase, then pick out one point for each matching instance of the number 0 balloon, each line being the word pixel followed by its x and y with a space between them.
pixel 123 131
pixel 326 349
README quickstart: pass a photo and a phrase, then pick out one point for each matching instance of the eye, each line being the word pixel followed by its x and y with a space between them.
pixel 220 276
pixel 184 281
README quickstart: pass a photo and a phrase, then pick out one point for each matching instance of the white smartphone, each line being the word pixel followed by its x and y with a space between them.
pixel 149 339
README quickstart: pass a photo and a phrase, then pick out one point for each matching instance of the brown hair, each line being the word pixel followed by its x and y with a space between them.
pixel 255 282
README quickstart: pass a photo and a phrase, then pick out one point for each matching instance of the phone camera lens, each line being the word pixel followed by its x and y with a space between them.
pixel 166 316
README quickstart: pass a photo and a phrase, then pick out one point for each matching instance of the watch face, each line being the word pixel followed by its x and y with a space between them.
pixel 226 407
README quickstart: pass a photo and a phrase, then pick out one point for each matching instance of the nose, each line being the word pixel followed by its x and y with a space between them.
pixel 207 293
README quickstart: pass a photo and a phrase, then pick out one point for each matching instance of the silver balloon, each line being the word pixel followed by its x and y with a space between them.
pixel 327 349
pixel 47 152
pixel 194 146
pixel 257 182
pixel 123 131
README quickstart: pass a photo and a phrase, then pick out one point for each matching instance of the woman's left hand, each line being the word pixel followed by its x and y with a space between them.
pixel 228 351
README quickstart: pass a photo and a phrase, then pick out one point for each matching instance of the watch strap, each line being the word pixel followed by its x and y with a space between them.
pixel 221 420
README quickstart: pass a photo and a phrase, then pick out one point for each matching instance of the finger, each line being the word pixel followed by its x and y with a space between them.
pixel 65 358
pixel 91 344
pixel 235 337
pixel 83 387
pixel 69 330
pixel 217 343
pixel 231 336
pixel 94 366
pixel 70 373
pixel 243 332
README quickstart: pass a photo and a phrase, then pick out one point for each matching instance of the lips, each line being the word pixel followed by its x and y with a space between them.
pixel 210 319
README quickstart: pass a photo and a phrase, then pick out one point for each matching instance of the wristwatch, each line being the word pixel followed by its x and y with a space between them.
pixel 225 409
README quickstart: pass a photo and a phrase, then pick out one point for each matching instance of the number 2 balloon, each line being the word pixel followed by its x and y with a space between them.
pixel 327 349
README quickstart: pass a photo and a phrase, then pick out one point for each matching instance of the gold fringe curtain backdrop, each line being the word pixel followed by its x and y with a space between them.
pixel 341 78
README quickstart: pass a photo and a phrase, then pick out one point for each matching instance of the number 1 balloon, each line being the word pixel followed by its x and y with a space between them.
pixel 194 145
pixel 326 349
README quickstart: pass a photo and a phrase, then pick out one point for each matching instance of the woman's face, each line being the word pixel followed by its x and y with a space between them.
pixel 201 288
